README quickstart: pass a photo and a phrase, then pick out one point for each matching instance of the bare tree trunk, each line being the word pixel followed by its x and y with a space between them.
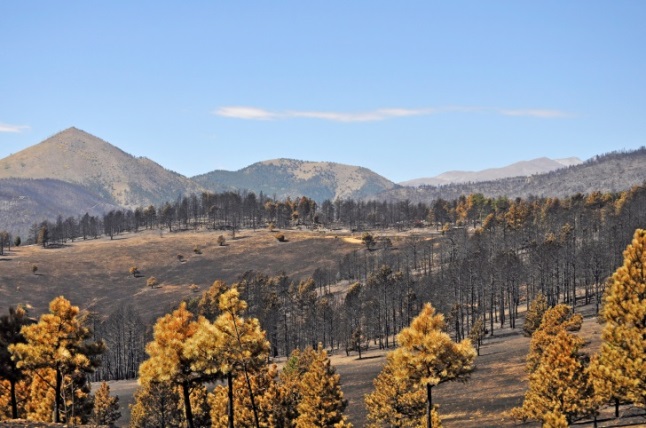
pixel 57 399
pixel 187 404
pixel 230 406
pixel 14 404
pixel 429 406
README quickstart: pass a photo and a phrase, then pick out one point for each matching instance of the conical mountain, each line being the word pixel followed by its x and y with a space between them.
pixel 289 177
pixel 75 156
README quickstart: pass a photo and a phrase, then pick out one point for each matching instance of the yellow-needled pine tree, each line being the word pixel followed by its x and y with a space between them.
pixel 289 391
pixel 59 343
pixel 321 399
pixel 10 334
pixel 208 306
pixel 230 345
pixel 20 392
pixel 427 356
pixel 534 314
pixel 266 391
pixel 555 319
pixel 106 407
pixel 619 371
pixel 157 404
pixel 170 359
pixel 396 401
pixel 559 389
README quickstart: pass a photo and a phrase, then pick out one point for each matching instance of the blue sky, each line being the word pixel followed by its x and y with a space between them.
pixel 408 89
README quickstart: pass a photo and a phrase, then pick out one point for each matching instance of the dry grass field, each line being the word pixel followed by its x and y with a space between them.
pixel 94 273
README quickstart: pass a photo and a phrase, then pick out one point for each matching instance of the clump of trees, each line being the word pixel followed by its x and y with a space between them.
pixel 187 352
pixel 565 384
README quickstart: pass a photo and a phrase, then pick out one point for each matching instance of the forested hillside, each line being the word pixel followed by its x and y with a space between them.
pixel 612 172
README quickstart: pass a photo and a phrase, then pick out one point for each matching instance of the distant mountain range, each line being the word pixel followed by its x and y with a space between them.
pixel 612 172
pixel 74 172
pixel 518 169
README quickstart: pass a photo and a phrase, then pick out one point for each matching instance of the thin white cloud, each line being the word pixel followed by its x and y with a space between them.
pixel 253 113
pixel 542 114
pixel 240 112
pixel 371 116
pixel 5 127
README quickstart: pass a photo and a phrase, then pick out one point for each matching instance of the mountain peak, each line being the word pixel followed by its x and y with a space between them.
pixel 78 157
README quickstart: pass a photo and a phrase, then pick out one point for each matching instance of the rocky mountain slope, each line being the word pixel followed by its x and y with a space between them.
pixel 522 168
pixel 74 156
pixel 288 177
pixel 611 172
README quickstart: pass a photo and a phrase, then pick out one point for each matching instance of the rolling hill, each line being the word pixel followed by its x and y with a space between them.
pixel 76 157
pixel 288 177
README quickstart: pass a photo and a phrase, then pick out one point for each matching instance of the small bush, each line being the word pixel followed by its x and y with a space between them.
pixel 17 241
pixel 152 282
pixel 197 249
pixel 280 237
pixel 368 240
pixel 194 288
pixel 180 258
pixel 34 269
pixel 134 271
pixel 221 240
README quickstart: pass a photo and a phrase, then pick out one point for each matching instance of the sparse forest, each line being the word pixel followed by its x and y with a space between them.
pixel 480 262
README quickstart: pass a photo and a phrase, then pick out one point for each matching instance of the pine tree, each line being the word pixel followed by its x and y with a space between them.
pixel 106 408
pixel 289 393
pixel 231 345
pixel 208 304
pixel 60 342
pixel 427 355
pixel 556 319
pixel 559 388
pixel 620 371
pixel 395 401
pixel 266 392
pixel 21 392
pixel 321 403
pixel 157 404
pixel 477 334
pixel 41 396
pixel 171 359
pixel 534 314
pixel 10 334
